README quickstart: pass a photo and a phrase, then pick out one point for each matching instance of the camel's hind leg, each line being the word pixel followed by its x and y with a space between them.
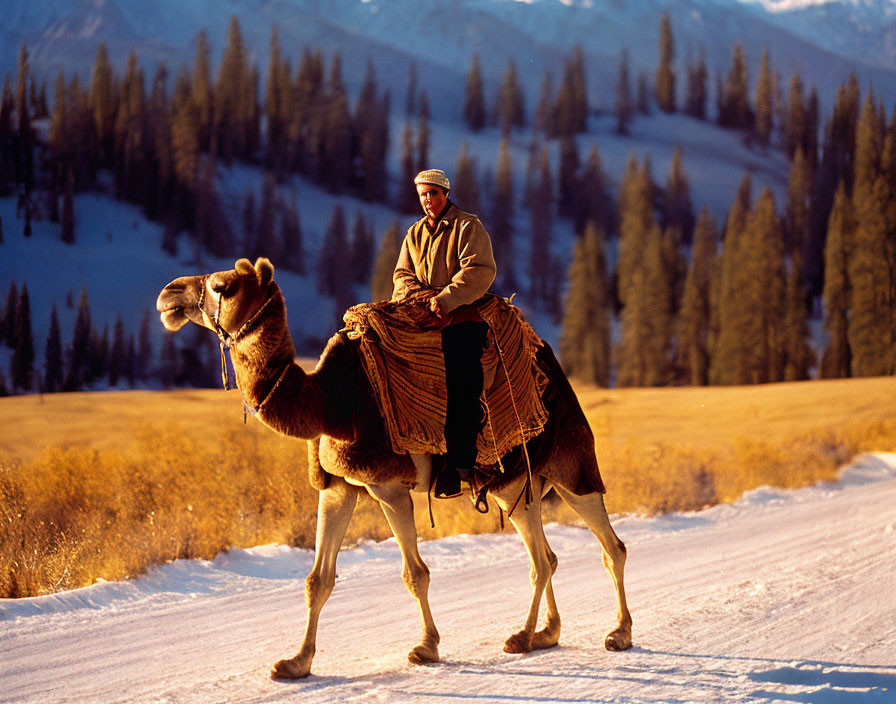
pixel 334 511
pixel 398 507
pixel 593 511
pixel 543 563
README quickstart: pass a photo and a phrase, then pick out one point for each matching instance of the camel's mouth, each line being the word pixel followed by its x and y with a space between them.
pixel 174 318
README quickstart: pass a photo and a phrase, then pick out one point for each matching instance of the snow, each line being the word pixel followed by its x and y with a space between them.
pixel 782 596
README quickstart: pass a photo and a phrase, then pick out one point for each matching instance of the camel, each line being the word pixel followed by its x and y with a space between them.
pixel 333 407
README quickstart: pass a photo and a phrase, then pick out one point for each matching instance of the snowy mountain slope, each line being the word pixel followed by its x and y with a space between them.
pixel 779 597
pixel 823 42
pixel 117 257
pixel 863 30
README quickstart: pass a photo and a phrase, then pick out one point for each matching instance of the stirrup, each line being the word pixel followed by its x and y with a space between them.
pixel 481 501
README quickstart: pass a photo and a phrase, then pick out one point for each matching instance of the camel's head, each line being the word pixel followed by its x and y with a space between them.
pixel 239 293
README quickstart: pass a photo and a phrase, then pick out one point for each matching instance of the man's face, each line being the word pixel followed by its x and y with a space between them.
pixel 432 198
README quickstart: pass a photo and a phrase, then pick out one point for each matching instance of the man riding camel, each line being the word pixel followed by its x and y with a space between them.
pixel 448 252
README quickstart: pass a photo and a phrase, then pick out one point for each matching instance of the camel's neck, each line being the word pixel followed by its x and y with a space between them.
pixel 289 400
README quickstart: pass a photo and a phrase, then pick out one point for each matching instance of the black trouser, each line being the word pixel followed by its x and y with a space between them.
pixel 462 345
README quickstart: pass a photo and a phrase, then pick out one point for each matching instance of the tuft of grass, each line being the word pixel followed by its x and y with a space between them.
pixel 89 490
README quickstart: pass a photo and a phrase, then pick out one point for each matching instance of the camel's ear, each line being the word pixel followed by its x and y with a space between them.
pixel 244 266
pixel 265 271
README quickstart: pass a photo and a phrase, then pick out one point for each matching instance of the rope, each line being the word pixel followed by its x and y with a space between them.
pixel 527 489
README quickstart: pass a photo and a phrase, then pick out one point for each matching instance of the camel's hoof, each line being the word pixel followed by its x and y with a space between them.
pixel 620 639
pixel 423 655
pixel 545 639
pixel 294 669
pixel 518 643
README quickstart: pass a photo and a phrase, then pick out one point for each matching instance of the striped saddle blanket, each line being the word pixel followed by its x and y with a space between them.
pixel 401 346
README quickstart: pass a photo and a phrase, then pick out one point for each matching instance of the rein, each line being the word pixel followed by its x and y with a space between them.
pixel 228 340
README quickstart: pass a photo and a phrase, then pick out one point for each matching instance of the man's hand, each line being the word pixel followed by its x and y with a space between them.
pixel 435 307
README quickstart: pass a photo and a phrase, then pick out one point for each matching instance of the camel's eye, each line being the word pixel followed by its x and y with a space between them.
pixel 219 287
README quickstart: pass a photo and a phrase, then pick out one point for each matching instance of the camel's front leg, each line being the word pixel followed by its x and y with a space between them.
pixel 334 511
pixel 527 522
pixel 398 507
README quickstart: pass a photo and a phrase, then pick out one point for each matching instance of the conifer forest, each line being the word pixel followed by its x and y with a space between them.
pixel 655 291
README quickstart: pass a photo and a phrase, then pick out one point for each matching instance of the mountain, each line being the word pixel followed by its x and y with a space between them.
pixel 824 41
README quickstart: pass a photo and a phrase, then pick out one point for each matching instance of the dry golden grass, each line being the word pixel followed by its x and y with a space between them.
pixel 102 485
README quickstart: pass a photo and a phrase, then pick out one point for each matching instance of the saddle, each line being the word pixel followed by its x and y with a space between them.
pixel 401 351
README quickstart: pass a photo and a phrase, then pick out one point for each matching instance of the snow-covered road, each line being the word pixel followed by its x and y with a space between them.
pixel 780 597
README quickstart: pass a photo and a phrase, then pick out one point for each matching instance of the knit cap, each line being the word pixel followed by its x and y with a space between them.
pixel 436 177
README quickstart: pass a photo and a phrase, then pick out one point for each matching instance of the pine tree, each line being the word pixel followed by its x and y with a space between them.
pixel 664 83
pixel 796 213
pixel 333 267
pixel 646 323
pixel 22 364
pixel 213 232
pixel 763 101
pixel 117 353
pixel 24 161
pixel 540 229
pixel 695 100
pixel 595 201
pixel 694 315
pixel 169 363
pixel 500 222
pixel 53 364
pixel 305 121
pixel 292 239
pixel 97 366
pixel 422 145
pixel 202 92
pixel 361 249
pixel 275 107
pixel 130 362
pixel 545 120
pixel 810 134
pixel 410 103
pixel 265 243
pixel 677 209
pixel 474 105
pixel 623 96
pixel 231 96
pixel 872 333
pixel 585 337
pixel 729 322
pixel 381 281
pixel 798 354
pixel 571 109
pixel 796 116
pixel 464 186
pixel 635 223
pixel 8 321
pixel 102 99
pixel 407 199
pixel 129 126
pixel 371 126
pixel 68 207
pixel 735 109
pixel 79 355
pixel 142 366
pixel 161 164
pixel 249 221
pixel 511 108
pixel 762 350
pixel 567 177
pixel 336 168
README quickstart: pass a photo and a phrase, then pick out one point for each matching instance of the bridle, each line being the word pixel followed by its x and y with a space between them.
pixel 228 340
